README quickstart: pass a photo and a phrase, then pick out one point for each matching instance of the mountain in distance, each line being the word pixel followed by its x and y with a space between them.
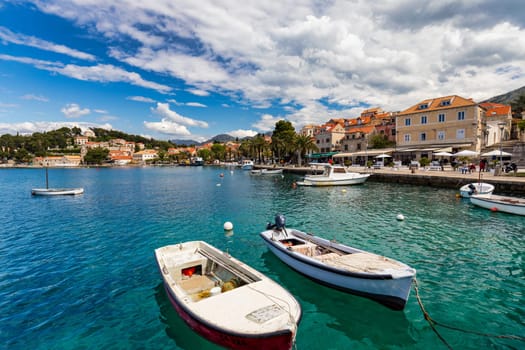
pixel 508 97
pixel 221 138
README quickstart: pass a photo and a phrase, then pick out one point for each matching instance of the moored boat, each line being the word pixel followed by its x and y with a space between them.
pixel 266 171
pixel 339 266
pixel 225 300
pixel 506 204
pixel 333 175
pixel 56 191
pixel 475 188
pixel 247 164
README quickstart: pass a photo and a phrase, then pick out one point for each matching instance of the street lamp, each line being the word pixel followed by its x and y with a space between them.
pixel 501 126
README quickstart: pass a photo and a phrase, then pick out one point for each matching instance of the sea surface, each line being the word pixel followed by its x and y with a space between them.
pixel 79 272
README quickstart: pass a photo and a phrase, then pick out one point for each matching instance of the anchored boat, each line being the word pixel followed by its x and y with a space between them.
pixel 346 268
pixel 225 300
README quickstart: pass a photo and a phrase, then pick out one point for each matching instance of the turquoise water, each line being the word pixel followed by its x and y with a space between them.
pixel 79 272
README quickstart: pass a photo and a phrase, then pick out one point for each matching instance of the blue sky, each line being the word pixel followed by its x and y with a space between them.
pixel 174 69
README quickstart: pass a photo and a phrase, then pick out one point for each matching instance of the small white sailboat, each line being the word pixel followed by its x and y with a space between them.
pixel 55 191
pixel 333 175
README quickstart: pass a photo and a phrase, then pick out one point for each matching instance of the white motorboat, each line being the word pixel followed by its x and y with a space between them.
pixel 333 175
pixel 56 191
pixel 225 300
pixel 349 269
pixel 247 164
pixel 506 204
pixel 475 188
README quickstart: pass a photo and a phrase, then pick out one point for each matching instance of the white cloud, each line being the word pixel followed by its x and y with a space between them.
pixel 168 127
pixel 266 123
pixel 20 39
pixel 198 92
pixel 163 109
pixel 140 99
pixel 34 98
pixel 242 133
pixel 100 111
pixel 31 127
pixel 196 104
pixel 73 110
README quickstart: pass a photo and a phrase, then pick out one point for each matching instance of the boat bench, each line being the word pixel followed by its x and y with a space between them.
pixel 196 284
pixel 307 249
pixel 326 257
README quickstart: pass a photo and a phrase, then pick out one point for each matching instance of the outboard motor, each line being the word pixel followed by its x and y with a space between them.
pixel 472 189
pixel 280 221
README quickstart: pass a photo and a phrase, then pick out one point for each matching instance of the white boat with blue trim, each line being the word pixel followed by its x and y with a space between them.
pixel 475 188
pixel 339 266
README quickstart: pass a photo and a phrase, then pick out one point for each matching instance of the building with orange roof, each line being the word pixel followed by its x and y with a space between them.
pixel 451 122
pixel 496 115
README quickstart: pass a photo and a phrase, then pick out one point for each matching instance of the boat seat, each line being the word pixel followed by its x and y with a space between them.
pixel 325 257
pixel 196 284
pixel 307 249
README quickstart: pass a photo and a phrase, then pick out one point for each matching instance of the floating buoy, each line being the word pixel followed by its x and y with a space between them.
pixel 221 175
pixel 343 190
pixel 294 185
pixel 458 195
pixel 218 185
pixel 494 209
pixel 400 217
pixel 228 226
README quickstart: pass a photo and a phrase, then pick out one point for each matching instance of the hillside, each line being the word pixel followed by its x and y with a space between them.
pixel 508 97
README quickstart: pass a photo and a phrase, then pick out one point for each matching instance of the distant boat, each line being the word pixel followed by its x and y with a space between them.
pixel 225 300
pixel 197 161
pixel 333 175
pixel 267 171
pixel 339 266
pixel 247 164
pixel 506 204
pixel 475 188
pixel 55 191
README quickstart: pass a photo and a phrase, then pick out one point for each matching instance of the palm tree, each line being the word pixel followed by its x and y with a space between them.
pixel 304 144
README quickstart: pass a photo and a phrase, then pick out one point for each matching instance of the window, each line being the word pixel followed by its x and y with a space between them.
pixel 423 106
pixel 461 115
pixel 441 135
pixel 445 103
pixel 460 134
pixel 423 136
pixel 407 121
pixel 407 137
pixel 423 119
pixel 441 118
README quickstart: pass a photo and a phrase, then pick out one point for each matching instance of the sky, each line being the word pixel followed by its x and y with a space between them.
pixel 186 69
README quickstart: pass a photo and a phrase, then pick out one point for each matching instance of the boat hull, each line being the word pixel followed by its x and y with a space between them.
pixel 479 188
pixel 312 181
pixel 382 288
pixel 511 205
pixel 253 313
pixel 56 191
pixel 283 340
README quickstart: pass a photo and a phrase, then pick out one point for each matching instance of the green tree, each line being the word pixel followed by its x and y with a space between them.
pixel 96 155
pixel 303 144
pixel 205 154
pixel 218 151
pixel 379 141
pixel 283 138
pixel 518 106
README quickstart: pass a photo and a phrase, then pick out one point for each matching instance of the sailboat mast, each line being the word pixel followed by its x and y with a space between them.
pixel 47 180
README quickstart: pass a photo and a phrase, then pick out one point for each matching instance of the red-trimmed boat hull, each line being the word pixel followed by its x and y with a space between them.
pixel 236 341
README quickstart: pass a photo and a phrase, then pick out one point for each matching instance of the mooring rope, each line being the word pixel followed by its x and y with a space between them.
pixel 433 323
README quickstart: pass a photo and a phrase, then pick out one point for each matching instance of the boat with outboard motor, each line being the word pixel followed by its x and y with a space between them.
pixel 333 175
pixel 225 300
pixel 339 266
pixel 475 188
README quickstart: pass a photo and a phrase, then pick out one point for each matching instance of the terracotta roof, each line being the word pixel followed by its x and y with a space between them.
pixel 496 109
pixel 439 103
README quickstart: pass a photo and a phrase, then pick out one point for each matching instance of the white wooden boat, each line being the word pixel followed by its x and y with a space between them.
pixel 506 204
pixel 225 300
pixel 266 171
pixel 247 164
pixel 333 175
pixel 56 191
pixel 349 269
pixel 475 188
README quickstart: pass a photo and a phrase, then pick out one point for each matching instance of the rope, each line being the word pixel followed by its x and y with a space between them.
pixel 434 323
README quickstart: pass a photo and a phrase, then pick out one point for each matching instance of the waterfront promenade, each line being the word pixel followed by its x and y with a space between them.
pixel 448 178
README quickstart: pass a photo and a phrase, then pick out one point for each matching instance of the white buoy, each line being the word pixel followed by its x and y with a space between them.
pixel 343 190
pixel 218 185
pixel 400 217
pixel 228 226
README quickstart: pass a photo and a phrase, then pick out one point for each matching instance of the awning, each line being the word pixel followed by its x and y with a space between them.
pixel 370 152
pixel 321 155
